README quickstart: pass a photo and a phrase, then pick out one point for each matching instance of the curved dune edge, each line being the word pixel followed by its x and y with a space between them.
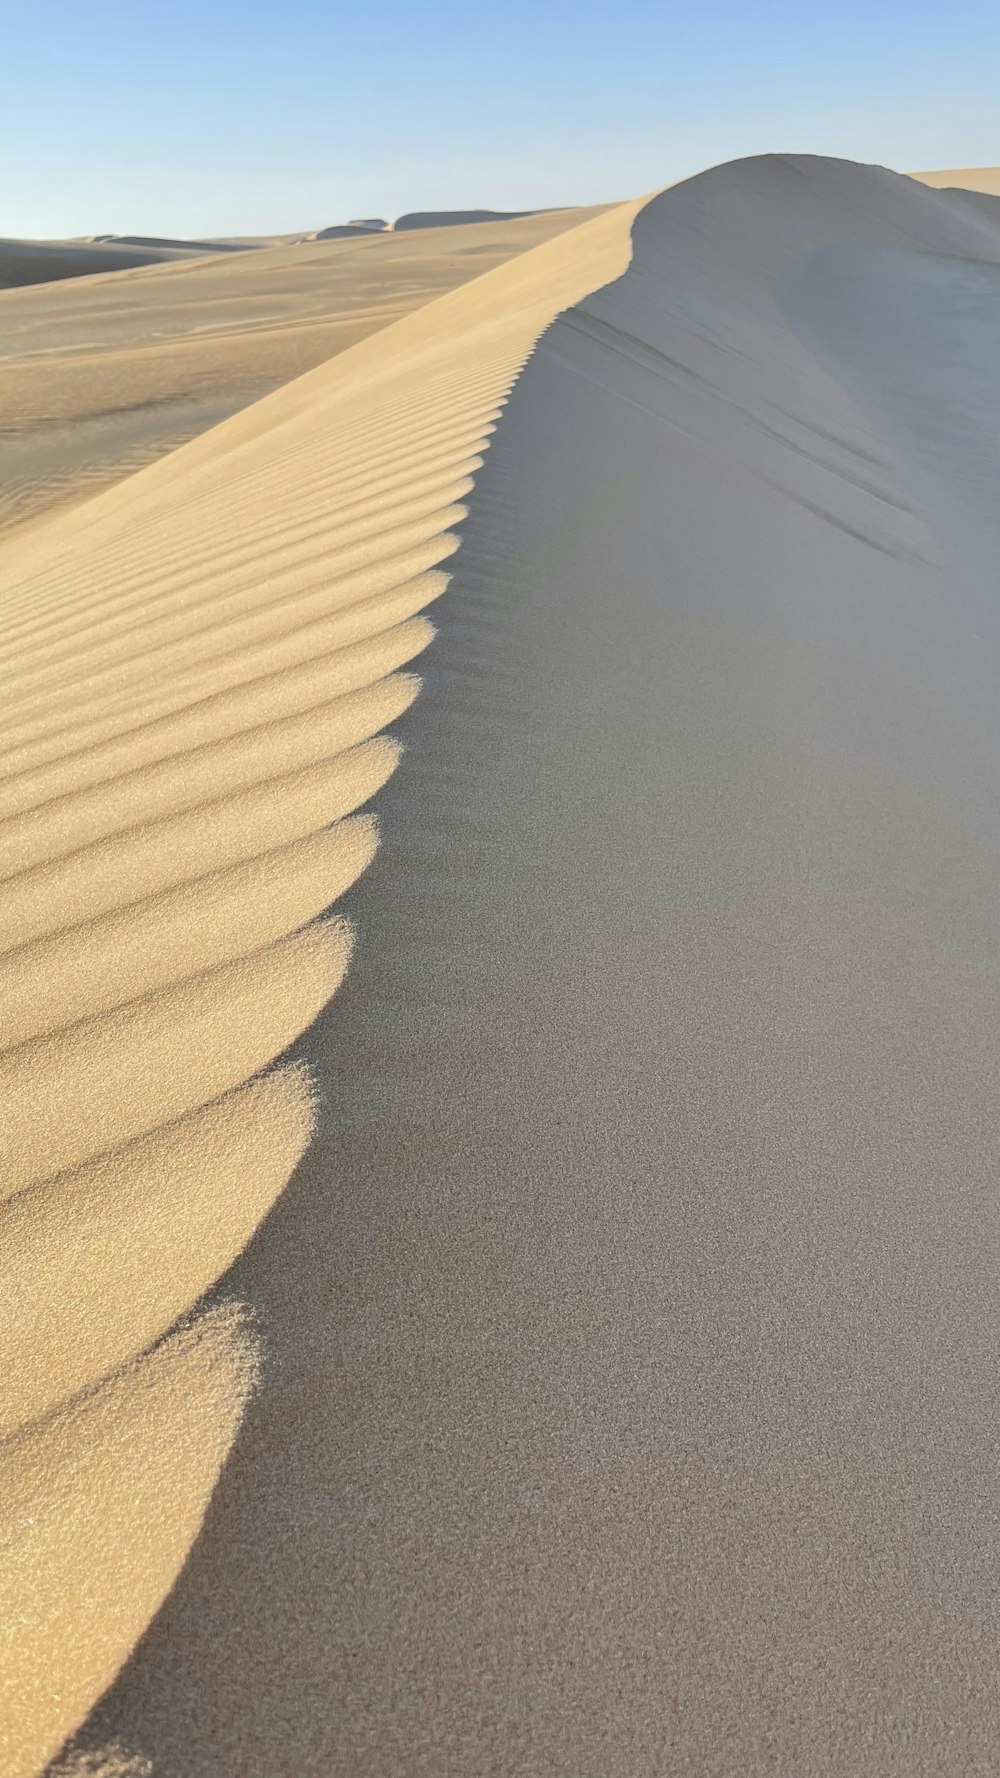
pixel 196 667
pixel 100 1504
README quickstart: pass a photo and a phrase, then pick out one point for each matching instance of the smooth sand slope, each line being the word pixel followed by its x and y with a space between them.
pixel 100 376
pixel 632 1332
pixel 196 668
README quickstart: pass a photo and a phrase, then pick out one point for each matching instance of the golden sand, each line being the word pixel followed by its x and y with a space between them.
pixel 102 374
pixel 195 669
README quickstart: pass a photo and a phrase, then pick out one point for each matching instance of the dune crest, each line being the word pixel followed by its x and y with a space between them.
pixel 102 375
pixel 196 666
pixel 635 1319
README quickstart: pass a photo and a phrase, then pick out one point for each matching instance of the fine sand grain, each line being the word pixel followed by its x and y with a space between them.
pixel 632 1331
pixel 195 667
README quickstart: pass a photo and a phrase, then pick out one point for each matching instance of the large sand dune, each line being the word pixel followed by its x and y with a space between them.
pixel 195 670
pixel 622 1356
pixel 103 375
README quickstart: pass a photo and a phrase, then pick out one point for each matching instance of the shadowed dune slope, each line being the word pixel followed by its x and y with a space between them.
pixel 454 218
pixel 984 179
pixel 196 669
pixel 633 1327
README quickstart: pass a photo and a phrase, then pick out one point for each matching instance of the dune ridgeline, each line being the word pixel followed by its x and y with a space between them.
pixel 649 1250
pixel 197 669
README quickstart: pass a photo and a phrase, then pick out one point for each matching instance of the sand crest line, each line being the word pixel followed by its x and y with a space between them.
pixel 199 664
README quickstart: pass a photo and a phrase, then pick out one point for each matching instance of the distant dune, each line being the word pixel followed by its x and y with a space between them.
pixel 184 248
pixel 500 1243
pixel 43 262
pixel 101 376
pixel 343 231
pixel 197 666
pixel 452 218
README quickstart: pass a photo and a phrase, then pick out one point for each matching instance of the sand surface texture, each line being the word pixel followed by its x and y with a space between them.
pixel 36 262
pixel 101 375
pixel 196 668
pixel 629 1337
pixel 633 1328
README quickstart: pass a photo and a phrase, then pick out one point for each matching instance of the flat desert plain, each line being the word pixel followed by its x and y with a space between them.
pixel 500 969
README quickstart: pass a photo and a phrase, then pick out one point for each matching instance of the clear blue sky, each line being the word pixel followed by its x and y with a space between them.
pixel 245 116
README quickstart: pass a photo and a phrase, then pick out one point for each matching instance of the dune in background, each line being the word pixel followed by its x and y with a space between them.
pixel 195 670
pixel 39 262
pixel 441 218
pixel 609 1386
pixel 983 179
pixel 103 375
pixel 632 1327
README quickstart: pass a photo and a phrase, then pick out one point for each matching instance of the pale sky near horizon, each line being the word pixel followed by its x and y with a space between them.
pixel 247 116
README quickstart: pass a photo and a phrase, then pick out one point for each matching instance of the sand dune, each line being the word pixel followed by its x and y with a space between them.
pixel 41 262
pixel 101 376
pixel 631 1328
pixel 451 218
pixel 984 179
pixel 196 667
pixel 622 1356
pixel 344 231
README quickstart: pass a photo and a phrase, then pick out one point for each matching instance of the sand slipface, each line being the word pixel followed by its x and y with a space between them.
pixel 622 1357
pixel 631 1329
pixel 39 262
pixel 196 670
pixel 982 179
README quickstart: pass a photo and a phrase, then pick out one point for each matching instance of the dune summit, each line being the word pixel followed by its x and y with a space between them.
pixel 575 1348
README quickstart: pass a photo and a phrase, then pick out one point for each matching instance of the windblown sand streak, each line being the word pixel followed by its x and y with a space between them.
pixel 196 668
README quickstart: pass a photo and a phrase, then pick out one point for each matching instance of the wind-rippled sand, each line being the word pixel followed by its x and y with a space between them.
pixel 196 670
pixel 101 375
pixel 611 1389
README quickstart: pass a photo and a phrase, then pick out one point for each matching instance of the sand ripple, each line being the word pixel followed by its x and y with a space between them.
pixel 196 668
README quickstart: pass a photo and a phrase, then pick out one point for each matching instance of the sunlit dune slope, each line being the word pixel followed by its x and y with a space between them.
pixel 101 375
pixel 196 668
pixel 633 1328
pixel 984 179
